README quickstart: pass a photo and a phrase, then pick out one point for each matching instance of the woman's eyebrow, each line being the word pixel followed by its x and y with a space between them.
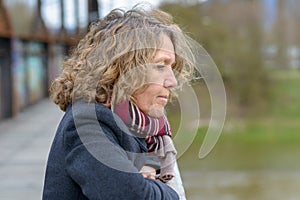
pixel 166 60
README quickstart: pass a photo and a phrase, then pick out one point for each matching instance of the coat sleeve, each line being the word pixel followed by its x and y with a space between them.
pixel 101 168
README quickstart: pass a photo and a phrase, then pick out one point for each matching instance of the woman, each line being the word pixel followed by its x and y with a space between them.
pixel 114 139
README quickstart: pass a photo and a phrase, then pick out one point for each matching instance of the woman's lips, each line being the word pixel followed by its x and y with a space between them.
pixel 163 99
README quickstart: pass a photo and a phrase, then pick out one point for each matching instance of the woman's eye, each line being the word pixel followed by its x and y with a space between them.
pixel 160 67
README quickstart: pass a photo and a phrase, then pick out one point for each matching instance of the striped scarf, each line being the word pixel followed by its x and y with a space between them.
pixel 143 125
pixel 157 134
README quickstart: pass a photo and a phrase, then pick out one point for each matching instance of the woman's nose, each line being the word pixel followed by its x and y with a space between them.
pixel 170 80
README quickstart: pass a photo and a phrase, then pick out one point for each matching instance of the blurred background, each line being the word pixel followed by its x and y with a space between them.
pixel 254 43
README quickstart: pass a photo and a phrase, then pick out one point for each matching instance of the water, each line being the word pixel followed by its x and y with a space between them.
pixel 242 185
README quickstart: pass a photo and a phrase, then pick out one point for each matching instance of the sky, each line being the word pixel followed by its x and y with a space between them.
pixel 126 4
pixel 269 12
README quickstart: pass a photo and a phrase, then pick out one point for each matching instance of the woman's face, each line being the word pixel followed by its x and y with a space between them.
pixel 160 78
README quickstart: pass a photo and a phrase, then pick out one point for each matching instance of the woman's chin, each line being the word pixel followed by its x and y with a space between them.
pixel 156 111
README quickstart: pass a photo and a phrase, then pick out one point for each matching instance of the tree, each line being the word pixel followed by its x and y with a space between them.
pixel 231 32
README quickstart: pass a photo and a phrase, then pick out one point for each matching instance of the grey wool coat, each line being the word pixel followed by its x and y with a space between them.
pixel 94 156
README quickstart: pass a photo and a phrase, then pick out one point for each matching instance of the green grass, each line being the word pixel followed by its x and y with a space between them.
pixel 251 148
pixel 268 141
pixel 287 101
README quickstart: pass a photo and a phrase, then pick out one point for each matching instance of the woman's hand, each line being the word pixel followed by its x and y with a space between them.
pixel 148 172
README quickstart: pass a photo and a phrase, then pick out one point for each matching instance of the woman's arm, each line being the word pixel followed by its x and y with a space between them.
pixel 99 181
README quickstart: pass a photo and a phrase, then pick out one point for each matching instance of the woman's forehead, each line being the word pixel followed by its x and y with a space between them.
pixel 165 53
pixel 167 44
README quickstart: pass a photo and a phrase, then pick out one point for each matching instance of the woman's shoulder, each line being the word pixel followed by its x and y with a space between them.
pixel 95 116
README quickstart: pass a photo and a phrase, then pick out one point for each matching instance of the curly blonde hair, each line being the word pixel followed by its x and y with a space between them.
pixel 98 68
